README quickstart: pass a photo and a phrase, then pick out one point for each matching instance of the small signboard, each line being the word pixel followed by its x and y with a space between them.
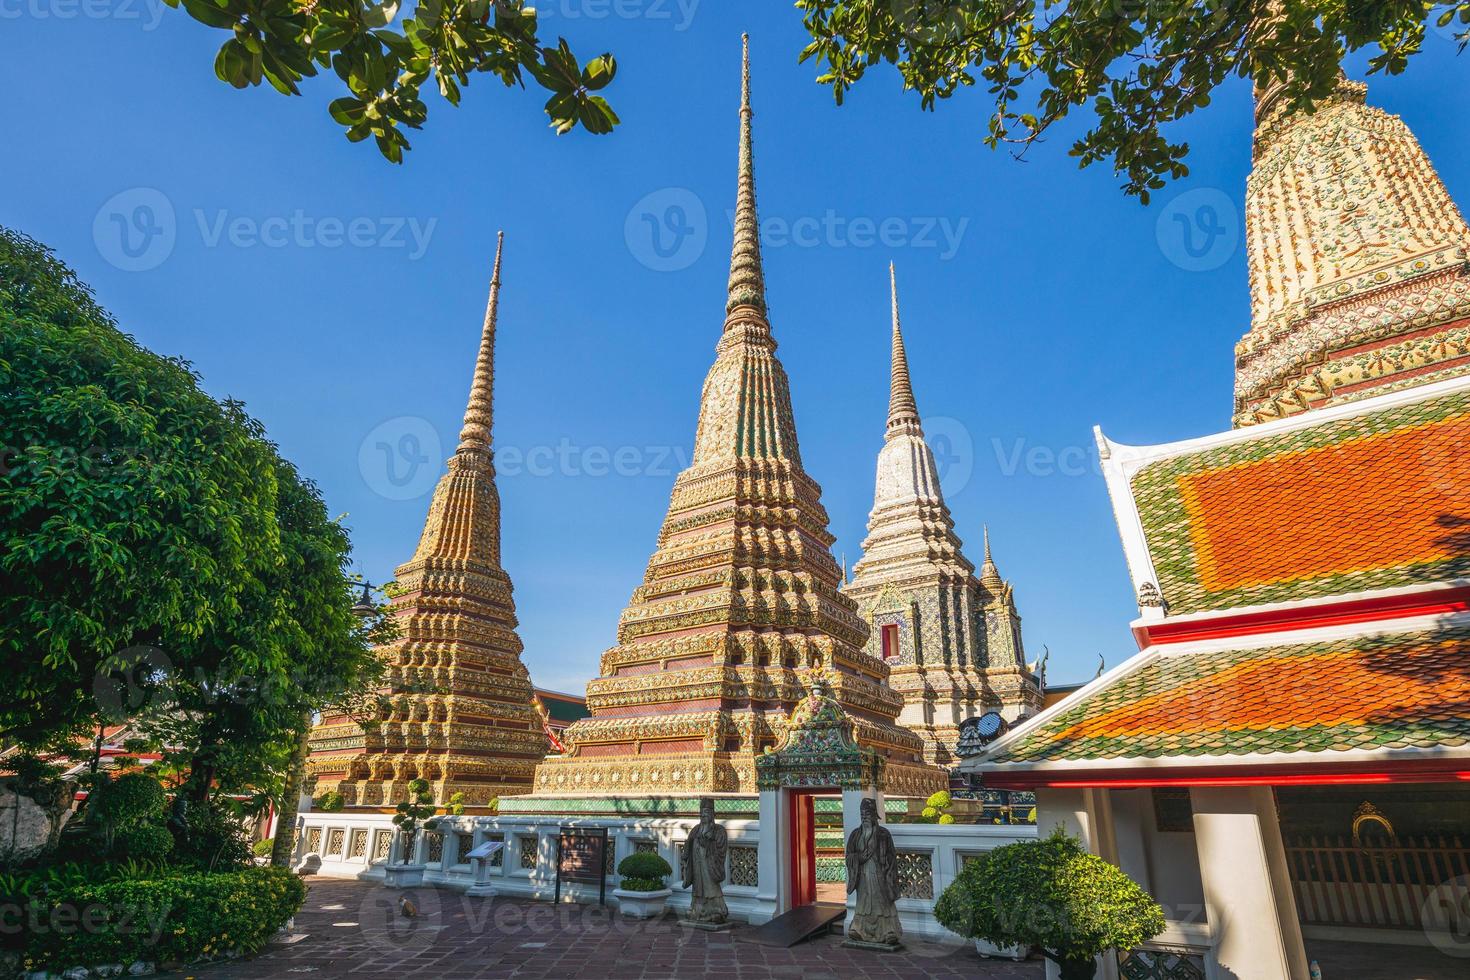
pixel 581 855
pixel 486 849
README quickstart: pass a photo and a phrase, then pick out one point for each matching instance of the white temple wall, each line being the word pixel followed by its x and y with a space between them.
pixel 930 855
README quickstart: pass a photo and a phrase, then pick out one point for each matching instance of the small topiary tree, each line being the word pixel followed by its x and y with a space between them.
pixel 1052 894
pixel 412 813
pixel 644 872
pixel 936 809
pixel 125 815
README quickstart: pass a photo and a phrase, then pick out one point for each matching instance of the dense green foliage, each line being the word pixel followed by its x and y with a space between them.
pixel 329 802
pixel 384 70
pixel 1136 65
pixel 164 565
pixel 168 917
pixel 1052 894
pixel 643 872
pixel 212 839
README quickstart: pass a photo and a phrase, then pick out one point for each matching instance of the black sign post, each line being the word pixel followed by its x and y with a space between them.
pixel 581 855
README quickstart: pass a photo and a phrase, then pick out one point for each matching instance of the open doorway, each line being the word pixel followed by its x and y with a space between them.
pixel 817 867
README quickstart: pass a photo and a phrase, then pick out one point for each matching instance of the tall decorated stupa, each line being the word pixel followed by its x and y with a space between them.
pixel 740 609
pixel 952 640
pixel 461 709
pixel 1357 255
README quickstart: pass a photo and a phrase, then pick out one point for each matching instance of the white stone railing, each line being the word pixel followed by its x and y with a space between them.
pixel 930 855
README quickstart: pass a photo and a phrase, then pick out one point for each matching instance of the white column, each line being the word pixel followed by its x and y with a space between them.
pixel 1248 897
pixel 771 856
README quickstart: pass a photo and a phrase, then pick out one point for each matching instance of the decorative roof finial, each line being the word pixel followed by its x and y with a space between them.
pixel 902 411
pixel 989 574
pixel 475 434
pixel 747 279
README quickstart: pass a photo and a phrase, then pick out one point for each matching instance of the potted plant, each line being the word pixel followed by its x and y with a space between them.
pixel 1050 894
pixel 411 814
pixel 936 809
pixel 644 888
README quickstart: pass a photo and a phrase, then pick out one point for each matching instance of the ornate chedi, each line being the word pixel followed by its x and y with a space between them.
pixel 461 712
pixel 1358 260
pixel 952 641
pixel 740 607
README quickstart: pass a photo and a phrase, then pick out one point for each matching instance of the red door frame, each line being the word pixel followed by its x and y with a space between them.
pixel 803 866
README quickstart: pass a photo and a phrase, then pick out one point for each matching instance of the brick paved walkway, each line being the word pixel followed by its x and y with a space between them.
pixel 353 928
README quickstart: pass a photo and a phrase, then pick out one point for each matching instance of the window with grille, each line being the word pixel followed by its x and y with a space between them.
pixel 528 853
pixel 314 840
pixel 433 847
pixel 915 874
pixel 335 838
pixel 744 865
pixel 358 848
pixel 382 846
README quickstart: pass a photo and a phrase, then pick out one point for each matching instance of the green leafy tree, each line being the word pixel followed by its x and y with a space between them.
pixel 134 516
pixel 1052 894
pixel 1135 65
pixel 385 70
pixel 163 565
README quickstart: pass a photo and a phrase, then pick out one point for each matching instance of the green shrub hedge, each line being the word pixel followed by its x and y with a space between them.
pixel 172 917
pixel 643 872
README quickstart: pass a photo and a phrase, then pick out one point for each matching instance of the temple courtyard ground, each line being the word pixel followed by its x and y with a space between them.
pixel 355 928
pixel 352 928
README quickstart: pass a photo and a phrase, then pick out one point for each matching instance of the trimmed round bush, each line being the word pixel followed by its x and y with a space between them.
pixel 145 842
pixel 643 872
pixel 1052 894
pixel 179 917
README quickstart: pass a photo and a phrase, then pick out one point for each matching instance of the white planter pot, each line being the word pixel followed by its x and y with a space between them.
pixel 403 875
pixel 1017 953
pixel 642 905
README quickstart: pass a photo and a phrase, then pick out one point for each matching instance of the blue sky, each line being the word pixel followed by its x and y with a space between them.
pixel 340 296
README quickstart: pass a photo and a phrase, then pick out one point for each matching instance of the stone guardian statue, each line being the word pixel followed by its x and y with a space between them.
pixel 872 872
pixel 704 869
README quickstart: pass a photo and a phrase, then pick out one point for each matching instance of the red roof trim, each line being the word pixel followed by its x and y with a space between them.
pixel 1303 773
pixel 1439 602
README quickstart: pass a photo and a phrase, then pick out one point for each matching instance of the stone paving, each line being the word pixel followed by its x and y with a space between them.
pixel 355 928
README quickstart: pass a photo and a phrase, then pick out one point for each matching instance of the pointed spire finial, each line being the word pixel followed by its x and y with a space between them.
pixel 747 279
pixel 844 568
pixel 902 411
pixel 475 434
pixel 989 574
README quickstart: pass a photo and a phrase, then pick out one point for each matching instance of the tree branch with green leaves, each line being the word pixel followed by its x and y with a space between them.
pixel 444 43
pixel 1136 65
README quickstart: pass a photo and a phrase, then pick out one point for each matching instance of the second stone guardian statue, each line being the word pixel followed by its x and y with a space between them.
pixel 872 872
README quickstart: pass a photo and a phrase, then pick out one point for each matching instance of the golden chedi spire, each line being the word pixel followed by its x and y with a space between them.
pixel 462 712
pixel 747 287
pixel 952 643
pixel 1357 259
pixel 740 606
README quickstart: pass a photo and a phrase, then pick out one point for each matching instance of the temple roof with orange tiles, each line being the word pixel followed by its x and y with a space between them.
pixel 1303 581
